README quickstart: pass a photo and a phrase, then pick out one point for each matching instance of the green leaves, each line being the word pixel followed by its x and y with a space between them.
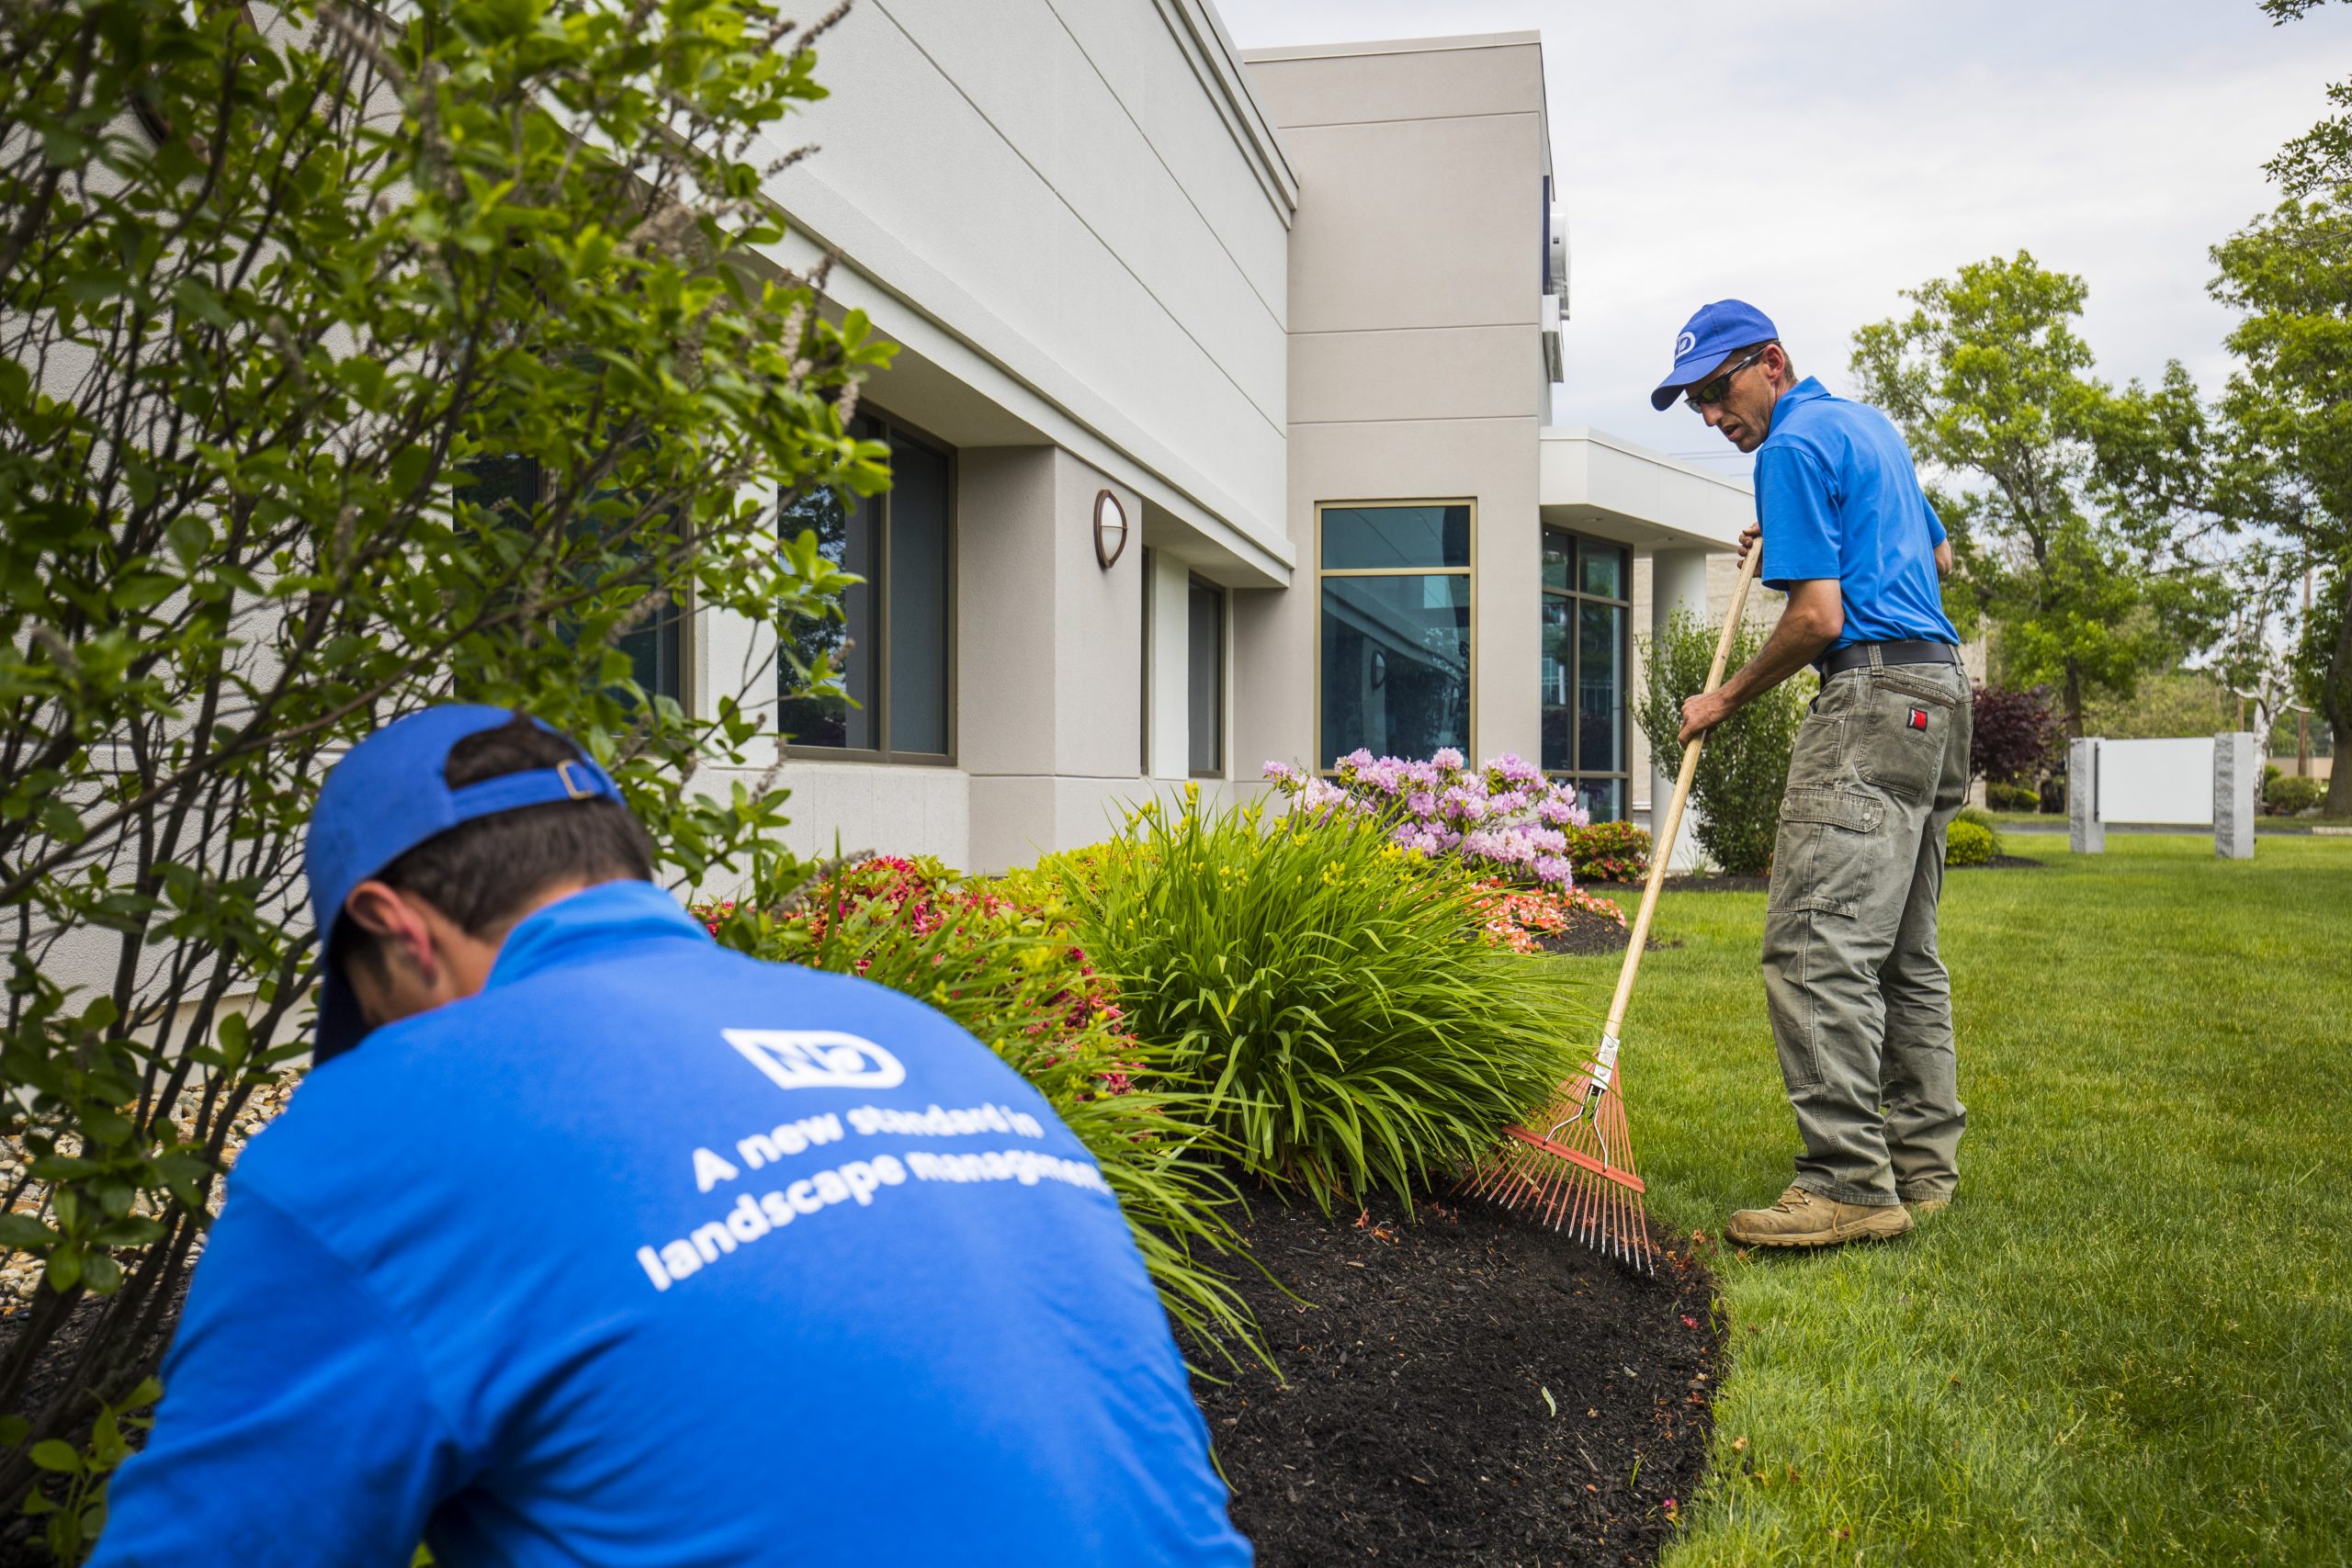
pixel 1326 995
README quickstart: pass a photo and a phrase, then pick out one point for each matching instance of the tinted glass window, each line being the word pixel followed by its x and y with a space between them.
pixel 1384 538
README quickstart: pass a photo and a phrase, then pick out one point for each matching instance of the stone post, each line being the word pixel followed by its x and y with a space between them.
pixel 2237 779
pixel 2085 829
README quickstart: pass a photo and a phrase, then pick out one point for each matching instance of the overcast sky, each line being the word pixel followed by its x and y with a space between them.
pixel 1817 157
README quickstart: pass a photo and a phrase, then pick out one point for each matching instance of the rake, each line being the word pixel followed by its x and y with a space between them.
pixel 1572 1164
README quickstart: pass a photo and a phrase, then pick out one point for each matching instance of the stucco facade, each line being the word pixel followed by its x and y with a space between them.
pixel 1233 293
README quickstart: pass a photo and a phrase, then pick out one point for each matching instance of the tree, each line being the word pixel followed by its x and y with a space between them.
pixel 2291 405
pixel 1744 767
pixel 2063 497
pixel 2015 736
pixel 270 340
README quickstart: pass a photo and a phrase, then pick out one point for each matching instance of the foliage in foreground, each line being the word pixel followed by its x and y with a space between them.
pixel 1005 969
pixel 1744 766
pixel 282 302
pixel 1332 996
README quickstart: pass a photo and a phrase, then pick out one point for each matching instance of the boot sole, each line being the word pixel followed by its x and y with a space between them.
pixel 1800 1242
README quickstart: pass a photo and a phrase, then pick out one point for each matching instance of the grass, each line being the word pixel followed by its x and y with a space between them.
pixel 2131 1341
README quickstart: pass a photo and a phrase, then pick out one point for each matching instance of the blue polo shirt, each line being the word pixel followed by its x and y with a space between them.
pixel 653 1255
pixel 1837 496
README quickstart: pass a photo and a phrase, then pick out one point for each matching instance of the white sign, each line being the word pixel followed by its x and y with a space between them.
pixel 2156 781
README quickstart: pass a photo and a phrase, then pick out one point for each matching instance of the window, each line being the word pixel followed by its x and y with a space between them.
pixel 1394 648
pixel 1204 680
pixel 891 643
pixel 1587 622
pixel 656 646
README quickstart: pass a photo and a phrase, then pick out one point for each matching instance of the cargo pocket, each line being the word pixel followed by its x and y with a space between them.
pixel 1821 861
pixel 1821 868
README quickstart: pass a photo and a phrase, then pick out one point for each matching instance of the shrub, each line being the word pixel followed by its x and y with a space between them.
pixel 1004 968
pixel 1968 843
pixel 2016 734
pixel 1333 996
pixel 262 372
pixel 1744 767
pixel 1503 819
pixel 1519 918
pixel 1609 852
pixel 2011 798
pixel 1982 818
pixel 2292 793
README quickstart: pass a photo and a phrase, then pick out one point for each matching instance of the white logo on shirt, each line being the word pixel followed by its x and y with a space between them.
pixel 817 1058
pixel 1685 344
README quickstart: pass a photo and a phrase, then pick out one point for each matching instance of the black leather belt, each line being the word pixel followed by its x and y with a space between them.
pixel 1853 656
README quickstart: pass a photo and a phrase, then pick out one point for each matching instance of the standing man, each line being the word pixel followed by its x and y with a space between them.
pixel 1860 1004
pixel 611 1248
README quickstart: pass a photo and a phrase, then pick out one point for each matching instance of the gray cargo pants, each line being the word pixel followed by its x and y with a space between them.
pixel 1860 1004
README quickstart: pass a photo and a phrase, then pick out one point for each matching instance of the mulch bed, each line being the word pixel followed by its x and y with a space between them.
pixel 1587 930
pixel 1413 1427
pixel 2004 863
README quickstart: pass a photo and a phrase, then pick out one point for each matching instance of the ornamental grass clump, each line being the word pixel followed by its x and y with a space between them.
pixel 1004 968
pixel 1334 995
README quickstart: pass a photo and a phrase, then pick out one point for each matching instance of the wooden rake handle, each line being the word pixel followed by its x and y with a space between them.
pixel 1662 842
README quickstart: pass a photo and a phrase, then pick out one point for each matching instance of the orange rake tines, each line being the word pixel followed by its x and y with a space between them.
pixel 1577 1173
pixel 1572 1164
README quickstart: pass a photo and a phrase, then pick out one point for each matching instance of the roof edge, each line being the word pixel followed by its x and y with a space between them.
pixel 1392 46
pixel 1208 49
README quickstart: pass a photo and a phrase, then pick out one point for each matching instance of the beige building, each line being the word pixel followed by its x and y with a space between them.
pixel 1220 416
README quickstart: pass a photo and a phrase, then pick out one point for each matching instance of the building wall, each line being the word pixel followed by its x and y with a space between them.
pixel 1414 349
pixel 1079 202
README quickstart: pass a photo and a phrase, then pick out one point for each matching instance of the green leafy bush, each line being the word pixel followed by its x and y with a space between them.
pixel 1744 767
pixel 2291 793
pixel 1334 996
pixel 1608 851
pixel 1002 965
pixel 2012 797
pixel 1968 843
pixel 357 358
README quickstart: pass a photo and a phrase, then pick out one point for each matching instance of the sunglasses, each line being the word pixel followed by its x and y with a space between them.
pixel 1713 392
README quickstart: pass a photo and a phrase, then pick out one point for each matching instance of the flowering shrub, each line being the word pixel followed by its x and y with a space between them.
pixel 1501 818
pixel 1518 918
pixel 1609 852
pixel 1002 964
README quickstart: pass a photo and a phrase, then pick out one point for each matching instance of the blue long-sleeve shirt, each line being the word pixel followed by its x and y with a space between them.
pixel 652 1254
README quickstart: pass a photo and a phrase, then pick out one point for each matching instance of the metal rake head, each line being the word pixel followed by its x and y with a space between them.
pixel 1572 1167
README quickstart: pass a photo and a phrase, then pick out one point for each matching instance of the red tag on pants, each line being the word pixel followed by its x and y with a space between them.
pixel 1918 719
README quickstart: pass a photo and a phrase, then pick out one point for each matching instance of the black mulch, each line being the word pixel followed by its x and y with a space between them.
pixel 2006 862
pixel 1587 930
pixel 1415 1427
pixel 1686 882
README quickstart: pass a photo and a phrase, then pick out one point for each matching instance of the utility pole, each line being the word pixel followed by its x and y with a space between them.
pixel 2303 716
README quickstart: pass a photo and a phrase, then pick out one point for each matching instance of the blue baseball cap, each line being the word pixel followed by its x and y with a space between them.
pixel 387 795
pixel 1713 334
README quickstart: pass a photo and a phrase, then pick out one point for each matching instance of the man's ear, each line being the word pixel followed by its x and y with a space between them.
pixel 397 922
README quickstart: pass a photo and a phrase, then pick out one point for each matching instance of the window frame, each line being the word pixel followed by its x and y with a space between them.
pixel 1194 581
pixel 1574 594
pixel 1468 574
pixel 885 754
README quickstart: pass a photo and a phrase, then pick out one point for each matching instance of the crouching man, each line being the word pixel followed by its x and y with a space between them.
pixel 611 1246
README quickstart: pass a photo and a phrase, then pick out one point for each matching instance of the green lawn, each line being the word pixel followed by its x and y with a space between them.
pixel 2130 1340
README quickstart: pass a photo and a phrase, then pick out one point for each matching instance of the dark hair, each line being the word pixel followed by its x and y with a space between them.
pixel 481 873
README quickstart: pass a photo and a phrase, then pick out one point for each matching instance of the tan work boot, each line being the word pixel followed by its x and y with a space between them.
pixel 1807 1219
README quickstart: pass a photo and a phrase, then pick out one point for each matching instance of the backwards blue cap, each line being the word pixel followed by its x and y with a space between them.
pixel 387 795
pixel 1710 337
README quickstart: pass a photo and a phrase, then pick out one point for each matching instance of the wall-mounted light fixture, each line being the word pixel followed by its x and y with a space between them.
pixel 1110 528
